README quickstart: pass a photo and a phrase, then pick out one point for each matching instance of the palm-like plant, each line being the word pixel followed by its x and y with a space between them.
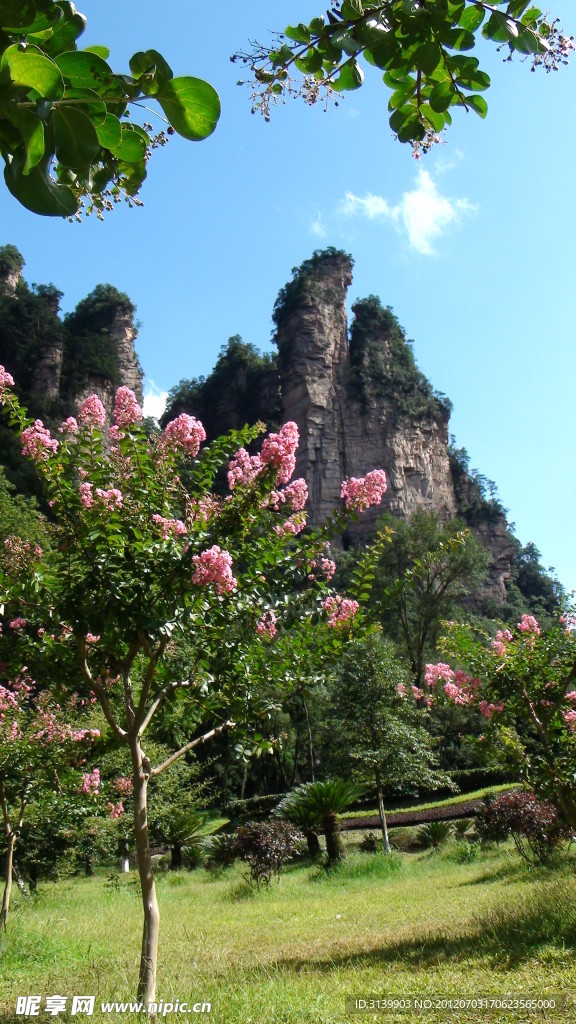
pixel 295 810
pixel 321 802
pixel 435 833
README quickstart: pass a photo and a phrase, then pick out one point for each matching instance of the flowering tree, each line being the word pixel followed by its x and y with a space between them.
pixel 523 681
pixel 39 750
pixel 146 568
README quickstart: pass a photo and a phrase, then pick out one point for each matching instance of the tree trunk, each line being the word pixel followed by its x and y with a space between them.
pixel 313 844
pixel 382 812
pixel 334 847
pixel 149 956
pixel 176 857
pixel 10 842
pixel 310 743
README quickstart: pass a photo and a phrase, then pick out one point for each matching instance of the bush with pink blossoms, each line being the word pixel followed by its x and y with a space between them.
pixel 185 433
pixel 279 451
pixel 341 611
pixel 267 625
pixel 92 412
pixel 126 408
pixel 214 566
pixel 528 624
pixel 37 442
pixel 360 493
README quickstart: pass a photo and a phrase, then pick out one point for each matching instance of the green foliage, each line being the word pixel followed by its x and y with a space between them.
pixel 11 260
pixel 302 289
pixel 427 569
pixel 476 496
pixel 90 348
pixel 421 48
pixel 242 388
pixel 64 133
pixel 434 833
pixel 382 365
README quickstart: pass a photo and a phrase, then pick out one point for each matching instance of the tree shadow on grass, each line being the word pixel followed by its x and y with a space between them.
pixel 505 936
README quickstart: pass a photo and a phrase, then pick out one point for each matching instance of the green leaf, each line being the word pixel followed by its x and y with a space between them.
pixel 39 194
pixel 76 143
pixel 441 96
pixel 352 10
pixel 16 14
pixel 299 33
pixel 495 28
pixel 132 147
pixel 84 70
pixel 191 105
pixel 316 26
pixel 478 104
pixel 154 68
pixel 64 35
pixel 472 18
pixel 528 41
pixel 459 39
pixel 100 51
pixel 311 63
pixel 427 57
pixel 30 69
pixel 32 131
pixel 351 77
pixel 109 132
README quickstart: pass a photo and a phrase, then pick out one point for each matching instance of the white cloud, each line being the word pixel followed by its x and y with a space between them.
pixel 424 214
pixel 318 227
pixel 154 400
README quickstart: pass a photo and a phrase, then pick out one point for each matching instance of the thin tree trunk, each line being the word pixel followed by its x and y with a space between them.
pixel 310 744
pixel 313 844
pixel 176 857
pixel 149 955
pixel 10 844
pixel 7 881
pixel 382 812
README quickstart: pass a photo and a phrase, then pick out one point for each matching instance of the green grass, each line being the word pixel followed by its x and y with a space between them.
pixel 292 954
pixel 462 798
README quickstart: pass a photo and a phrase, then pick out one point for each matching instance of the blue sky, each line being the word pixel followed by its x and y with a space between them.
pixel 472 247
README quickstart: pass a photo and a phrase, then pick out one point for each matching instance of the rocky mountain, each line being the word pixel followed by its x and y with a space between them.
pixel 56 362
pixel 360 403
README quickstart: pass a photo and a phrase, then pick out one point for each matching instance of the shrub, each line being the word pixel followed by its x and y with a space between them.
pixel 534 825
pixel 219 851
pixel 369 843
pixel 266 847
pixel 461 827
pixel 464 852
pixel 434 833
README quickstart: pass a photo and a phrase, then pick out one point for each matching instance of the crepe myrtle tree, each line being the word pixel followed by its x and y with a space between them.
pixel 422 48
pixel 70 134
pixel 523 682
pixel 142 562
pixel 40 752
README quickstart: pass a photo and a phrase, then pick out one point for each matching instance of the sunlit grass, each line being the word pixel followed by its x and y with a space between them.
pixel 410 925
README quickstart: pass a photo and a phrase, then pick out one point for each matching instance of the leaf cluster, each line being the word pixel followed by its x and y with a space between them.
pixel 421 49
pixel 66 134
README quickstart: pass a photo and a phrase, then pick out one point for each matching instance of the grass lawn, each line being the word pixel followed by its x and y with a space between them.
pixel 408 925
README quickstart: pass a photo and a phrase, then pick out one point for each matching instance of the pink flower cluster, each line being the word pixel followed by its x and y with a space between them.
pixel 92 412
pixel 489 710
pixel 528 624
pixel 110 499
pixel 501 639
pixel 186 433
pixel 126 408
pixel 279 451
pixel 295 495
pixel 170 527
pixel 359 493
pixel 243 469
pixel 341 610
pixel 570 719
pixel 6 381
pixel 294 525
pixel 214 566
pixel 69 426
pixel 440 673
pixel 37 442
pixel 115 810
pixel 328 567
pixel 123 786
pixel 17 624
pixel 267 625
pixel 90 782
pixel 204 509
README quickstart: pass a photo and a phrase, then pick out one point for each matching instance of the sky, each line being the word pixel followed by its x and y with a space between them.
pixel 473 246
